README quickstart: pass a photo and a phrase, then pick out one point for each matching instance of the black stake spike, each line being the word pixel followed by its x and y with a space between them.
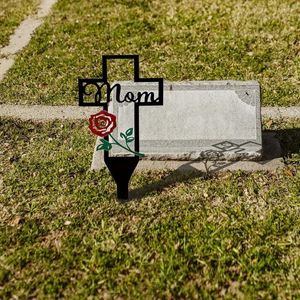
pixel 121 169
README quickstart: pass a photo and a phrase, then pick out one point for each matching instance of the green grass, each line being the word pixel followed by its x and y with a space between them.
pixel 63 234
pixel 176 40
pixel 12 13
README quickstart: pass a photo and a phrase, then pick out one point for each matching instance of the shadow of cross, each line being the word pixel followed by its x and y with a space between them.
pixel 121 168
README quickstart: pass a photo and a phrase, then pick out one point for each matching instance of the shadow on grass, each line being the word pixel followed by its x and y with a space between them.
pixel 183 173
pixel 289 140
pixel 276 143
pixel 287 143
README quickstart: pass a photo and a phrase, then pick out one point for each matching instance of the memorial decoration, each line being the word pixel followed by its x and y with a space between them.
pixel 104 123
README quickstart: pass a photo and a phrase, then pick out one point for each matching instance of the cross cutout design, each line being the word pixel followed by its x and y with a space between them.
pixel 101 82
pixel 121 168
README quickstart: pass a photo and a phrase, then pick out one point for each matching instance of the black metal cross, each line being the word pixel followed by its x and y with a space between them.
pixel 121 168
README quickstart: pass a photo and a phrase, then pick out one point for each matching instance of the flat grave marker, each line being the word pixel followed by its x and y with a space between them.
pixel 215 120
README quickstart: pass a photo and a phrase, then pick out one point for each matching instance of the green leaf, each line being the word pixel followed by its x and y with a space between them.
pixel 108 147
pixel 104 141
pixel 105 146
pixel 122 135
pixel 129 140
pixel 129 131
pixel 100 147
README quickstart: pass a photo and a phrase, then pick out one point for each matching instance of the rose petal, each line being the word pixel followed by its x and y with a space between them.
pixel 110 123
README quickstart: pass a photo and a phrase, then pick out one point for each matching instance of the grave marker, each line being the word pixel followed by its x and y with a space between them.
pixel 211 120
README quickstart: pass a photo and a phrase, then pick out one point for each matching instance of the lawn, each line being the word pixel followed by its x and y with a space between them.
pixel 64 235
pixel 176 40
pixel 12 13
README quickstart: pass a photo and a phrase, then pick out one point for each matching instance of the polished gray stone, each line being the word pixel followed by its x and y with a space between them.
pixel 215 120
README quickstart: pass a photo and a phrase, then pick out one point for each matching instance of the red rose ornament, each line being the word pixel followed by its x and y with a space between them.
pixel 102 123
